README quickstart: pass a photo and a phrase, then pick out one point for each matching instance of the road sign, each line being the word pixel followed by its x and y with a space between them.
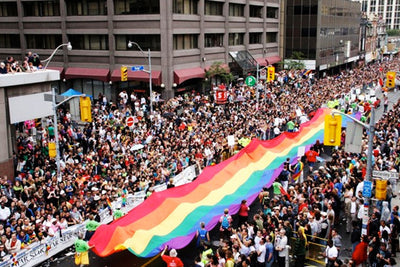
pixel 367 189
pixel 130 121
pixel 385 174
pixel 137 68
pixel 250 81
pixel 263 74
pixel 59 98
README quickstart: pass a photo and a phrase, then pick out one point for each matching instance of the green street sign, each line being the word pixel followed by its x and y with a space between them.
pixel 250 81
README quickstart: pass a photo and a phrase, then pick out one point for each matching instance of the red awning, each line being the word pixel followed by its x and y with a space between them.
pixel 273 60
pixel 138 76
pixel 262 61
pixel 186 74
pixel 95 74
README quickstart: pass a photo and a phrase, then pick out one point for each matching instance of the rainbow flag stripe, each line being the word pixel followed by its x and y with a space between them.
pixel 171 217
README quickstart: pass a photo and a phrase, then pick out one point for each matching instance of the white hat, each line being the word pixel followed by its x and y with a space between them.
pixel 94 188
pixel 96 198
pixel 173 253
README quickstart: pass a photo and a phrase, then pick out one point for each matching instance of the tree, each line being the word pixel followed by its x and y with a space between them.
pixel 295 61
pixel 393 32
pixel 218 70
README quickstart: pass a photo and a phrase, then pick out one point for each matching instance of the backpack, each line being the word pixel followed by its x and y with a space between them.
pixel 225 222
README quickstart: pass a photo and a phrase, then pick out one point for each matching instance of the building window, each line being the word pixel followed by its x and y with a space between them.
pixel 8 9
pixel 256 11
pixel 255 38
pixel 236 38
pixel 214 40
pixel 236 10
pixel 213 8
pixel 89 42
pixel 271 37
pixel 185 6
pixel 145 41
pixel 86 7
pixel 9 41
pixel 185 41
pixel 43 41
pixel 124 7
pixel 272 12
pixel 41 8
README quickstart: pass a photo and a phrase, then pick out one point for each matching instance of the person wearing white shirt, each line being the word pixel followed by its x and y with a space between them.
pixel 280 246
pixel 4 212
pixel 261 253
pixel 330 254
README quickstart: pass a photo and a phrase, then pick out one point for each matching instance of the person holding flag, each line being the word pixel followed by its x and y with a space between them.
pixel 297 174
pixel 279 190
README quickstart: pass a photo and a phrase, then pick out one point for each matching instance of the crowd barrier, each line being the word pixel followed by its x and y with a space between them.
pixel 39 252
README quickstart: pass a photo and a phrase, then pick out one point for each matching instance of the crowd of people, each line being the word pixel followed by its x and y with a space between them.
pixel 104 158
pixel 30 63
pixel 314 207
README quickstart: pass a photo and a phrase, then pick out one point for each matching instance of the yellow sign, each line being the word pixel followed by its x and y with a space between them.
pixel 271 74
pixel 124 74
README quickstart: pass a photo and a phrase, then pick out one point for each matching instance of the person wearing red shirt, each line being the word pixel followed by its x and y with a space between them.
pixel 243 212
pixel 360 252
pixel 172 260
pixel 311 157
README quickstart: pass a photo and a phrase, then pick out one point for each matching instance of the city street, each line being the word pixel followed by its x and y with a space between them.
pixel 187 254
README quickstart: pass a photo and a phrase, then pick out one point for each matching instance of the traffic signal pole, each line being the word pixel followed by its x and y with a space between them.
pixel 371 135
pixel 56 139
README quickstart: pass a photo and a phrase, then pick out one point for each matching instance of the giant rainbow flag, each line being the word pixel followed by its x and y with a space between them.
pixel 171 217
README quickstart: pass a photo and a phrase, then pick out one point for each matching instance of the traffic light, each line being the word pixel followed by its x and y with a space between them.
pixel 390 79
pixel 271 74
pixel 86 109
pixel 380 190
pixel 124 73
pixel 332 130
pixel 52 150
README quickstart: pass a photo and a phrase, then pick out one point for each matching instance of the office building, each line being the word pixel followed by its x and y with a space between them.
pixel 388 10
pixel 184 36
pixel 325 32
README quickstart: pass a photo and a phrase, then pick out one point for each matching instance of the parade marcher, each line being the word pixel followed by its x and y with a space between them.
pixel 172 260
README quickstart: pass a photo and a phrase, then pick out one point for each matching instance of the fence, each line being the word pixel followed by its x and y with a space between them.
pixel 316 248
pixel 39 252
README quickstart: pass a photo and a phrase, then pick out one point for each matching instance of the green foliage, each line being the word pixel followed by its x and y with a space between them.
pixel 295 65
pixel 217 69
pixel 393 32
pixel 297 55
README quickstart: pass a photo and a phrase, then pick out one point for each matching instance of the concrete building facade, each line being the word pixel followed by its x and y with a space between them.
pixel 185 37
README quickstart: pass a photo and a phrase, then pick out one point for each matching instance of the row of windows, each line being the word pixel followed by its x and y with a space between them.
pixel 100 42
pixel 123 7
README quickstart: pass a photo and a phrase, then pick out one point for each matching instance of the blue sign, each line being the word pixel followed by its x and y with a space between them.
pixel 137 68
pixel 367 188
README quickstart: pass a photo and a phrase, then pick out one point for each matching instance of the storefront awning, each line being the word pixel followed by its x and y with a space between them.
pixel 186 74
pixel 262 61
pixel 86 73
pixel 138 76
pixel 273 60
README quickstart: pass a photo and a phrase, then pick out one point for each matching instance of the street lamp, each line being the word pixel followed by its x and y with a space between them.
pixel 53 92
pixel 69 47
pixel 130 44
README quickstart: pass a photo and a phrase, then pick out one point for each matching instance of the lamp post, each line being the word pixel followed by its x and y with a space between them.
pixel 53 92
pixel 130 44
pixel 69 47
